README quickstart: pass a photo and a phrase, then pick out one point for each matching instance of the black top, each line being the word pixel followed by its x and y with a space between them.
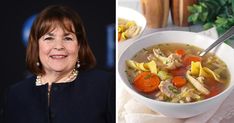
pixel 88 99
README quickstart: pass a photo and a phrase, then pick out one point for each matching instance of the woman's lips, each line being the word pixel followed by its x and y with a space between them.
pixel 58 56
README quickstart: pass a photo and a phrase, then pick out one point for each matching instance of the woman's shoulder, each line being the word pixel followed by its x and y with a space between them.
pixel 25 83
pixel 19 89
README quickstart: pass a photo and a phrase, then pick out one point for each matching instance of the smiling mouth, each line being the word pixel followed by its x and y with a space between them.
pixel 58 56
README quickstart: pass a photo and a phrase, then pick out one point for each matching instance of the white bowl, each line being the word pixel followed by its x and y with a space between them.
pixel 131 14
pixel 176 110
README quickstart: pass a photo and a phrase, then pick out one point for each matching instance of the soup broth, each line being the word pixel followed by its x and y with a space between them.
pixel 175 73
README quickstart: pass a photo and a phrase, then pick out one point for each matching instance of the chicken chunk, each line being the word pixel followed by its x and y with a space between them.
pixel 167 88
pixel 172 61
pixel 197 84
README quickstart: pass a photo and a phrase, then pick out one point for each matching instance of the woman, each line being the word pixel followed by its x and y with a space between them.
pixel 65 88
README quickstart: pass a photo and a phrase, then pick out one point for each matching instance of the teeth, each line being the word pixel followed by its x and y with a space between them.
pixel 57 57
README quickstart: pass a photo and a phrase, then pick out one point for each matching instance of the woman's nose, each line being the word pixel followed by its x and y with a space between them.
pixel 59 45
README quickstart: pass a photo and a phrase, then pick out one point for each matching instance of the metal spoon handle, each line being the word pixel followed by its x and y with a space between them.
pixel 222 38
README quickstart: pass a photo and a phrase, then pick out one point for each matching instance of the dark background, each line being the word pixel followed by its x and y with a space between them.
pixel 96 15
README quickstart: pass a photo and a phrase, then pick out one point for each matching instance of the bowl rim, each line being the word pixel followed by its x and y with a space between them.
pixel 229 88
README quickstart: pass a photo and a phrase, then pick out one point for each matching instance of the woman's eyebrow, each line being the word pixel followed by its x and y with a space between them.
pixel 68 33
pixel 49 34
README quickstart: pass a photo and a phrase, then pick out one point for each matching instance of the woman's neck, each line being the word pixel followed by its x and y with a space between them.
pixel 56 77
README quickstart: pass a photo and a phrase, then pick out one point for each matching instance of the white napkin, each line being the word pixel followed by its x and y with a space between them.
pixel 131 111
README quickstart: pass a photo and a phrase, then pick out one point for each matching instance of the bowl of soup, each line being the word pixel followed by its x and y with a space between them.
pixel 131 24
pixel 163 71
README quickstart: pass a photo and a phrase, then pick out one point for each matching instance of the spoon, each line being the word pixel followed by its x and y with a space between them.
pixel 228 34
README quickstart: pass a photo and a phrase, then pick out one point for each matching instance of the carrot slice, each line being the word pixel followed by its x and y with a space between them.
pixel 146 82
pixel 188 59
pixel 180 52
pixel 179 81
pixel 119 36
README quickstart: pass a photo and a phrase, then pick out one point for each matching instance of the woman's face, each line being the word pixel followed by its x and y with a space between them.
pixel 58 50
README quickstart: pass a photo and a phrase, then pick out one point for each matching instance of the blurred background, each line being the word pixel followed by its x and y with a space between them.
pixel 16 20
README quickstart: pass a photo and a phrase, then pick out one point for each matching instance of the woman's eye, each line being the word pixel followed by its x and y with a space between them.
pixel 68 39
pixel 49 38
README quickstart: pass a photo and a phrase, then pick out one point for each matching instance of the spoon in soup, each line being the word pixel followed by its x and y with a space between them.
pixel 228 34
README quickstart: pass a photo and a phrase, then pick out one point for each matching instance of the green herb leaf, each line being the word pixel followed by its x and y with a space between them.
pixel 204 16
pixel 148 76
pixel 173 89
pixel 209 13
pixel 208 25
pixel 191 9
